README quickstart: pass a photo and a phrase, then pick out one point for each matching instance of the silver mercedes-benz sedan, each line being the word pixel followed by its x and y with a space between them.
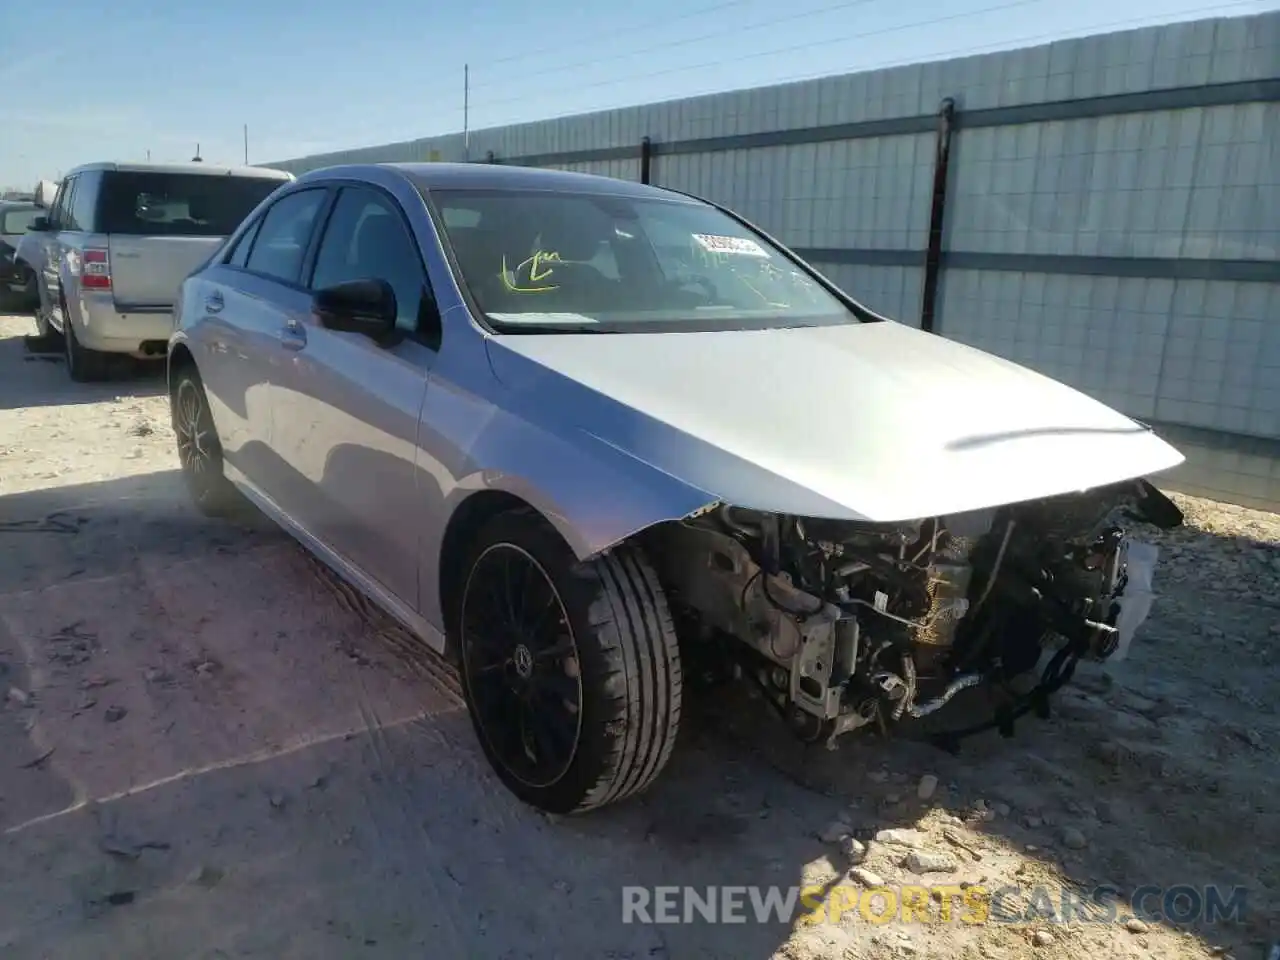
pixel 575 432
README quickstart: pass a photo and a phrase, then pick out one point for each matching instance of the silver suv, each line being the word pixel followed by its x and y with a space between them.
pixel 119 240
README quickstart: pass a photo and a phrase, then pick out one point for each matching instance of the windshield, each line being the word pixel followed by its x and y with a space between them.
pixel 536 261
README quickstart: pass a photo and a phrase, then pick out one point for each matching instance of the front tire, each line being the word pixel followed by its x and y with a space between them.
pixel 199 450
pixel 571 669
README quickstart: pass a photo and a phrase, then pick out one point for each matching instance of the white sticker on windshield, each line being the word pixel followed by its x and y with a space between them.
pixel 542 318
pixel 743 246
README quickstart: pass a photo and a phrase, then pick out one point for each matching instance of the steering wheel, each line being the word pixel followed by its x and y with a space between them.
pixel 695 280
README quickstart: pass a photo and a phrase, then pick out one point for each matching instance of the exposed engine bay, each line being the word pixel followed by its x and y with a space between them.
pixel 846 624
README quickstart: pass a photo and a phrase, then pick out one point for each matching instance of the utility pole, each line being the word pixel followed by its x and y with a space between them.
pixel 466 112
pixel 246 144
pixel 148 156
pixel 197 158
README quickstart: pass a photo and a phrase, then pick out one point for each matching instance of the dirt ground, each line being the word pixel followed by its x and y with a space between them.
pixel 207 749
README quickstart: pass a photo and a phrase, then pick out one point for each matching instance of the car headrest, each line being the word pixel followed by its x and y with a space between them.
pixel 572 242
pixel 300 233
pixel 480 250
pixel 379 237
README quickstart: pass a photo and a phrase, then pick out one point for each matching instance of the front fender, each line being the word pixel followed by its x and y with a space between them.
pixel 178 340
pixel 595 494
pixel 67 289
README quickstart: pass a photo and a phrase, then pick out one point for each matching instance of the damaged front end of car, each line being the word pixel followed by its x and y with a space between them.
pixel 849 624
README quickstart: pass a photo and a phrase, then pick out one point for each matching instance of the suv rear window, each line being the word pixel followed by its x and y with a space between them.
pixel 139 203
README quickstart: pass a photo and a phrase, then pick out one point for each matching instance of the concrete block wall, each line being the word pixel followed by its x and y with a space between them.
pixel 1112 215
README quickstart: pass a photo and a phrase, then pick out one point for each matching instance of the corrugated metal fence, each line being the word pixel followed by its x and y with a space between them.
pixel 1105 210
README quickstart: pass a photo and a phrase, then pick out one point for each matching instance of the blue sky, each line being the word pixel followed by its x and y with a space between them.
pixel 115 81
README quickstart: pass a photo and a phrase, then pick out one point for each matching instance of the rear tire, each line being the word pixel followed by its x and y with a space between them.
pixel 83 365
pixel 603 640
pixel 199 450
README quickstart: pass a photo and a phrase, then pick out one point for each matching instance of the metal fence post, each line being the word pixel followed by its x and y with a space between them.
pixel 646 160
pixel 937 213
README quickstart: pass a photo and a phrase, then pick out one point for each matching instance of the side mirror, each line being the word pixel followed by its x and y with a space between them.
pixel 358 306
pixel 39 225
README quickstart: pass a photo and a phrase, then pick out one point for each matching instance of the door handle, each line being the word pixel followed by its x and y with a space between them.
pixel 214 303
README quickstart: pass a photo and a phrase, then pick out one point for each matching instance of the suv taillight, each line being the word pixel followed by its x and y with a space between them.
pixel 97 270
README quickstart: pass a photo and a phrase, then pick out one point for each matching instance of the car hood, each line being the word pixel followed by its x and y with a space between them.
pixel 875 421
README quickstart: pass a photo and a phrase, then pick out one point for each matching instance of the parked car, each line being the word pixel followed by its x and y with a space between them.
pixel 580 434
pixel 30 254
pixel 17 279
pixel 118 241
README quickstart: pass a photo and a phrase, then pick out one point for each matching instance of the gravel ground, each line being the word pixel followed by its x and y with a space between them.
pixel 211 750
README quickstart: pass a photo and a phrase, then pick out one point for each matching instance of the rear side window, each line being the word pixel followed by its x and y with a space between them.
pixel 58 215
pixel 157 204
pixel 281 242
pixel 240 255
pixel 17 221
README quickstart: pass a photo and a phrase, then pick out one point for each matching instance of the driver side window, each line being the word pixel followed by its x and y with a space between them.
pixel 367 238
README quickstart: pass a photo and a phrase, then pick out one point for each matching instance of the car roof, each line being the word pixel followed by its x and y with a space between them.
pixel 495 176
pixel 209 169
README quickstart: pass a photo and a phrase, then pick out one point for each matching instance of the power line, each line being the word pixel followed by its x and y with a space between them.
pixel 1151 20
pixel 1011 44
pixel 606 34
pixel 686 41
pixel 1155 19
pixel 1020 42
pixel 795 48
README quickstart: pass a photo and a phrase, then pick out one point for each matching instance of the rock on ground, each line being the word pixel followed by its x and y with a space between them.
pixel 925 861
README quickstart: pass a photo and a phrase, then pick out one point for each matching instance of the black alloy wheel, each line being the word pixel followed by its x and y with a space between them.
pixel 521 665
pixel 571 668
pixel 199 451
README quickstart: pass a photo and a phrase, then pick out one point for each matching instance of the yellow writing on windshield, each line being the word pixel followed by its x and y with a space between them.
pixel 537 261
pixel 540 266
